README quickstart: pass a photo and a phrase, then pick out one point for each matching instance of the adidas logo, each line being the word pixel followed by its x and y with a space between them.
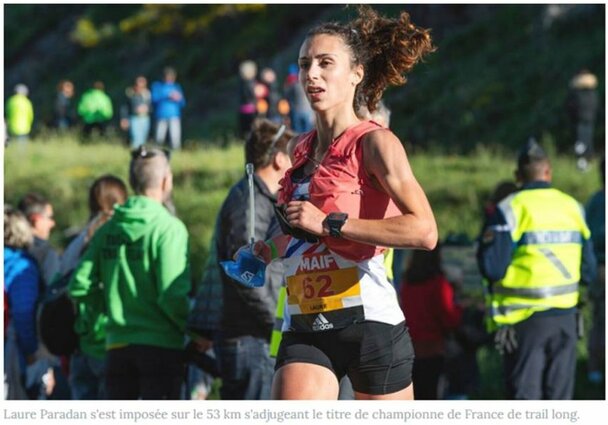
pixel 321 324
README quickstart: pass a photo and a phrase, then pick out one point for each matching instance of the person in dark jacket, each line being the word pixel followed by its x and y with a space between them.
pixel 65 114
pixel 595 213
pixel 582 104
pixel 39 212
pixel 272 97
pixel 246 367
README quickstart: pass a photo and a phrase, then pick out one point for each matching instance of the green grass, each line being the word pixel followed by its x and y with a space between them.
pixel 457 186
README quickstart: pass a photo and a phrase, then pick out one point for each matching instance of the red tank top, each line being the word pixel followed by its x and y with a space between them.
pixel 341 184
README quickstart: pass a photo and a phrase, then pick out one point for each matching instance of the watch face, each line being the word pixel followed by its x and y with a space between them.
pixel 338 216
pixel 335 222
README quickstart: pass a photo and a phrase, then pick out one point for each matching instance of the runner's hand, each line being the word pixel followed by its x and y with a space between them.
pixel 306 216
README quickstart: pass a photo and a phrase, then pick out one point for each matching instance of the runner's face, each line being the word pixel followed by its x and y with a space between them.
pixel 326 74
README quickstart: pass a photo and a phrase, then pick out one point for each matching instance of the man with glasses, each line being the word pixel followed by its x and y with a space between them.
pixel 137 266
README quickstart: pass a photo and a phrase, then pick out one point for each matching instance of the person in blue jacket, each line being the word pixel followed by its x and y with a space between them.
pixel 168 100
pixel 21 291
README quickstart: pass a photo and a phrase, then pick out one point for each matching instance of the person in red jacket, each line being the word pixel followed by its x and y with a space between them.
pixel 427 299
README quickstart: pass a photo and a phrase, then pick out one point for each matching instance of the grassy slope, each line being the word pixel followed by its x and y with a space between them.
pixel 496 78
pixel 500 80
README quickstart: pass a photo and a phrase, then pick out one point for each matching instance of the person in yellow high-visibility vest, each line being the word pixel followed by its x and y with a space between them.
pixel 534 251
pixel 19 114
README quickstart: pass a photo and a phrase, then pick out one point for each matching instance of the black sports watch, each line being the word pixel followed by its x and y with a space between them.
pixel 335 221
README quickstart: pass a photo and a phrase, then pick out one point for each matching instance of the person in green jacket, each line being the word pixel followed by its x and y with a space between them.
pixel 137 265
pixel 19 114
pixel 95 109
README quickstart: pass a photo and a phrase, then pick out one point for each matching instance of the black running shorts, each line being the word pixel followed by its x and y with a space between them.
pixel 377 357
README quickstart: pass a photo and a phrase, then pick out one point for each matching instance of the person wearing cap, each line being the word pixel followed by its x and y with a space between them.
pixel 242 343
pixel 19 114
pixel 535 251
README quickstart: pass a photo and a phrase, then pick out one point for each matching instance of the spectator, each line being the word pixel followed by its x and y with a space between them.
pixel 582 104
pixel 248 313
pixel 168 99
pixel 45 374
pixel 135 114
pixel 204 321
pixel 427 299
pixel 300 112
pixel 95 109
pixel 19 114
pixel 87 364
pixel 141 256
pixel 21 292
pixel 596 219
pixel 501 191
pixel 64 111
pixel 39 212
pixel 534 252
pixel 247 97
pixel 271 96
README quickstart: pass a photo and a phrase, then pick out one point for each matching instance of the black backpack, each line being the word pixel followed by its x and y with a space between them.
pixel 57 317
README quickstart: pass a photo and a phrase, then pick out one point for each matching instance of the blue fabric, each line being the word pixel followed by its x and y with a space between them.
pixel 588 263
pixel 495 248
pixel 139 128
pixel 164 106
pixel 87 377
pixel 22 284
pixel 246 368
pixel 596 220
